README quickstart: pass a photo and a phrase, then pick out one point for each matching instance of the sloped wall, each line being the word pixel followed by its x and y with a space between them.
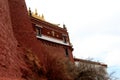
pixel 22 28
pixel 10 59
pixel 16 37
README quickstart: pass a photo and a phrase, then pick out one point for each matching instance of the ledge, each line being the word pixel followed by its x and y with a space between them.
pixel 52 40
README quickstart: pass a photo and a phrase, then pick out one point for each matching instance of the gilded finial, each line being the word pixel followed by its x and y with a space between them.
pixel 36 15
pixel 36 12
pixel 42 16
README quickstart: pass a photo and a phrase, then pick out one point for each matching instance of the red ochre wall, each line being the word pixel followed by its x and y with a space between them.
pixel 57 49
pixel 22 28
pixel 52 47
pixel 10 55
pixel 15 34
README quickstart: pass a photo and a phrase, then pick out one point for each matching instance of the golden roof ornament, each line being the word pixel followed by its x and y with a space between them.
pixel 38 16
pixel 42 16
pixel 35 14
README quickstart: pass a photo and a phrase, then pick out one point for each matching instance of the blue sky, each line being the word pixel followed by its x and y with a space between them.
pixel 93 26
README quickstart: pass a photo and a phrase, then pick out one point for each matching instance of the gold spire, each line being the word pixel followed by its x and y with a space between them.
pixel 36 12
pixel 42 16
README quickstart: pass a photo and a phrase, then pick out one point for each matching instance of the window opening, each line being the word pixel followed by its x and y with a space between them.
pixel 66 52
pixel 38 31
pixel 64 39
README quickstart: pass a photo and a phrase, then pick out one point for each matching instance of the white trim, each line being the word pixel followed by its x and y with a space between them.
pixel 38 25
pixel 52 40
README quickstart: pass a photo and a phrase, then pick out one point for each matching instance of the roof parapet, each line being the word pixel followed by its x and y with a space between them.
pixel 41 17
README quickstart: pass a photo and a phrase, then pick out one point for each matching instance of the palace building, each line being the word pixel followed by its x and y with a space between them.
pixel 25 40
pixel 55 40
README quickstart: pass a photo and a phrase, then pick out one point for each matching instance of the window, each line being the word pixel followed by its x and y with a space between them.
pixel 66 52
pixel 64 39
pixel 38 31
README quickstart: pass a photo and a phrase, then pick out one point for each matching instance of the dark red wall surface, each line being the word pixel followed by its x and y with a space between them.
pixel 10 55
pixel 22 28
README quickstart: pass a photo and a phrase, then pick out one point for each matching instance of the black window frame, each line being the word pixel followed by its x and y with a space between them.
pixel 66 52
pixel 39 31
